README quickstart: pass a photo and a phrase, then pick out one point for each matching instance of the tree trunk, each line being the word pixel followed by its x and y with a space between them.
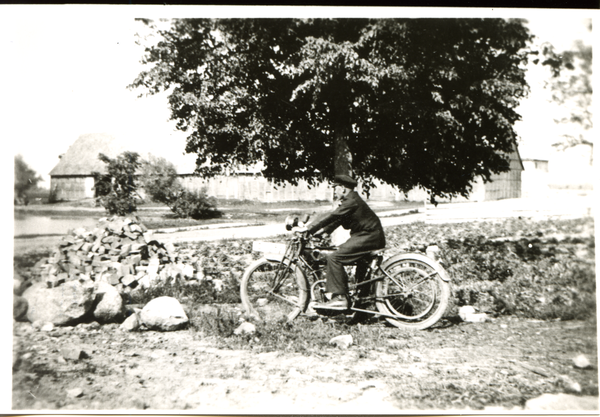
pixel 341 122
pixel 343 155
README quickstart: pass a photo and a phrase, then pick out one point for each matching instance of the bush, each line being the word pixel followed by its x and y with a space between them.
pixel 531 269
pixel 117 189
pixel 220 323
pixel 196 206
pixel 25 179
pixel 159 179
pixel 527 278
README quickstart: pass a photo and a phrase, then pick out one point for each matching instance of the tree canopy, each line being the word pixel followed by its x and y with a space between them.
pixel 571 88
pixel 412 102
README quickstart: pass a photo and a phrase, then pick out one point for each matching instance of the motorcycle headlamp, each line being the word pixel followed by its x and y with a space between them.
pixel 291 222
pixel 295 221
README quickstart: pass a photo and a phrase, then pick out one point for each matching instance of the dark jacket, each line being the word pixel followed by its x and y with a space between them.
pixel 355 215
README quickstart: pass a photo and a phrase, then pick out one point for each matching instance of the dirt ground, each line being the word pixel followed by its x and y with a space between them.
pixel 493 366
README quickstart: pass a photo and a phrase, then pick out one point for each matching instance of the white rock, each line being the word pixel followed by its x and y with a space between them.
pixel 476 318
pixel 131 323
pixel 218 284
pixel 75 392
pixel 62 305
pixel 111 307
pixel 144 281
pixel 47 327
pixel 569 385
pixel 582 362
pixel 163 313
pixel 188 271
pixel 261 302
pixel 245 328
pixel 464 311
pixel 562 402
pixel 18 286
pixel 343 341
pixel 73 353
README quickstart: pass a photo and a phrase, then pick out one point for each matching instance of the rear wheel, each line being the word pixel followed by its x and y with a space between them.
pixel 413 291
pixel 272 289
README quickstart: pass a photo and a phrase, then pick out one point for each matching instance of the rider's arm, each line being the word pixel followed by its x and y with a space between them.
pixel 333 219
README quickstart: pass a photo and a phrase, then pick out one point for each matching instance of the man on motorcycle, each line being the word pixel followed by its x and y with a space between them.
pixel 366 234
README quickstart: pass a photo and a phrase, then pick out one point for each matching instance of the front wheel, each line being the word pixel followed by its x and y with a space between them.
pixel 414 289
pixel 273 289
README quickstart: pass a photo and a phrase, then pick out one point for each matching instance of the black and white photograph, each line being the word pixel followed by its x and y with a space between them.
pixel 299 210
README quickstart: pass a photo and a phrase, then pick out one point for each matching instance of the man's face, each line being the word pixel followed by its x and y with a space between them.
pixel 339 191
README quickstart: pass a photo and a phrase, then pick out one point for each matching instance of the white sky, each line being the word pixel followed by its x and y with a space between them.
pixel 65 71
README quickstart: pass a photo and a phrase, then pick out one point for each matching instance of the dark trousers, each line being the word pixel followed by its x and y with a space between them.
pixel 349 253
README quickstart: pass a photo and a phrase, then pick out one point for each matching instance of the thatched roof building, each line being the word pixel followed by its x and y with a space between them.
pixel 71 179
pixel 82 156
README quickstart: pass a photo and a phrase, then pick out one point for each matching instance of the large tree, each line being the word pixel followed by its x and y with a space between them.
pixel 571 87
pixel 411 102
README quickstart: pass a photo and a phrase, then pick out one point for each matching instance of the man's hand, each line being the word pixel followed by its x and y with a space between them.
pixel 300 229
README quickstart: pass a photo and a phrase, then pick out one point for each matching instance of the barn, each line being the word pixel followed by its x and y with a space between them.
pixel 72 179
pixel 248 184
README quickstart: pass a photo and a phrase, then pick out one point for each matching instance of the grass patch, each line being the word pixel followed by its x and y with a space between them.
pixel 542 270
pixel 202 292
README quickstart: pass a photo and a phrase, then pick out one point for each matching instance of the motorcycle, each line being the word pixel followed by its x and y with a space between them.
pixel 409 290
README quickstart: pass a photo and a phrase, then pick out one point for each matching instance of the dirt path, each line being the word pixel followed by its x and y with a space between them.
pixel 461 366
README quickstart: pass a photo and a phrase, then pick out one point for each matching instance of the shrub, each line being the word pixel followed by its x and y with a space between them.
pixel 527 278
pixel 220 323
pixel 533 269
pixel 158 177
pixel 25 179
pixel 117 189
pixel 196 206
pixel 204 292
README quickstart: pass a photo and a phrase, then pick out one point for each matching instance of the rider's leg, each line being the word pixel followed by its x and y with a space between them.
pixel 349 253
pixel 337 280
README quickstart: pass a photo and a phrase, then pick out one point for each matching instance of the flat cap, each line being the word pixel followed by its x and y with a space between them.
pixel 345 180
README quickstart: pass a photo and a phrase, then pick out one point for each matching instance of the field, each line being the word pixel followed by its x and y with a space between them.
pixel 536 281
pixel 157 216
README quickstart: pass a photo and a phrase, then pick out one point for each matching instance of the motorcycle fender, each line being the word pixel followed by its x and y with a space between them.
pixel 419 257
pixel 273 257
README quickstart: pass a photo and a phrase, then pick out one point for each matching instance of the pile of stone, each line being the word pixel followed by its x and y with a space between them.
pixel 90 273
pixel 119 251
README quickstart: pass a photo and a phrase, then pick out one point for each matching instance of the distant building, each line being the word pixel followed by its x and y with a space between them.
pixel 502 186
pixel 72 179
pixel 535 177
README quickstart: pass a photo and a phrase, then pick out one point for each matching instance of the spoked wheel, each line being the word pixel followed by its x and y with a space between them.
pixel 271 289
pixel 413 291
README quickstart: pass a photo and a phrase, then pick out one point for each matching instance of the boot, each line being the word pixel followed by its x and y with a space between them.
pixel 338 302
